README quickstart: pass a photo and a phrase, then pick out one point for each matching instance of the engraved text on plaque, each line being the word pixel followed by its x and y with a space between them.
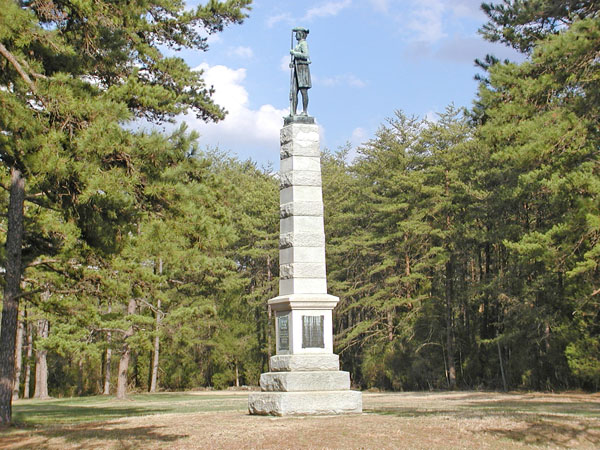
pixel 312 331
pixel 284 332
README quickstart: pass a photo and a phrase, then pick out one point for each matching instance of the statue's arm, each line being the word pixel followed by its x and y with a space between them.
pixel 301 51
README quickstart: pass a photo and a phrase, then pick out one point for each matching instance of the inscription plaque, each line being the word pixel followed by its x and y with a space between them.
pixel 313 331
pixel 284 332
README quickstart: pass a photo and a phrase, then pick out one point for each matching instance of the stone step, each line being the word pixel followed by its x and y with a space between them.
pixel 325 380
pixel 304 363
pixel 305 403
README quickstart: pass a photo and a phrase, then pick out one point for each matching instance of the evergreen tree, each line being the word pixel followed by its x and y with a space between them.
pixel 521 23
pixel 389 199
pixel 541 134
pixel 71 75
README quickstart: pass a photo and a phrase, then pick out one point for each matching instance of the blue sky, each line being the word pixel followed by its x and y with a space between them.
pixel 369 58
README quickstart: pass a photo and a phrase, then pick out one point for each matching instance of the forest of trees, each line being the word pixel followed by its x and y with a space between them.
pixel 464 250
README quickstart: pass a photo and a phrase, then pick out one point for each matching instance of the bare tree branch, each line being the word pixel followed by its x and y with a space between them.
pixel 11 59
pixel 152 307
pixel 28 293
pixel 42 262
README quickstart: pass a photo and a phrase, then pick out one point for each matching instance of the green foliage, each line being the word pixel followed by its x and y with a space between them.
pixel 583 360
pixel 521 23
pixel 464 252
pixel 472 252
pixel 105 204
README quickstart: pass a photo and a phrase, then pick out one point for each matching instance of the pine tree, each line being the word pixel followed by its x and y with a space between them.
pixel 71 74
pixel 381 267
pixel 521 23
pixel 541 134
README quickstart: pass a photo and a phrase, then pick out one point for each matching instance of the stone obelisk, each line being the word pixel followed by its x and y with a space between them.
pixel 304 375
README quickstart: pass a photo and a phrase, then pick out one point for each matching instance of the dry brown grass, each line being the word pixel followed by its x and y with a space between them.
pixel 405 420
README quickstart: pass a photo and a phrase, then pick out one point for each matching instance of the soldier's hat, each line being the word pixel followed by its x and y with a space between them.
pixel 305 30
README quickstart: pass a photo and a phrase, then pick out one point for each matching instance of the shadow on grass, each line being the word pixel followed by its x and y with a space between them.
pixel 551 433
pixel 509 407
pixel 542 423
pixel 180 397
pixel 52 414
pixel 92 409
pixel 97 435
pixel 586 409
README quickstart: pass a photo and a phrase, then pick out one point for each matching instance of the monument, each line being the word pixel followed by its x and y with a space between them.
pixel 304 375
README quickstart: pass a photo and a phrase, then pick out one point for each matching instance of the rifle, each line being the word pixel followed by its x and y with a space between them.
pixel 292 75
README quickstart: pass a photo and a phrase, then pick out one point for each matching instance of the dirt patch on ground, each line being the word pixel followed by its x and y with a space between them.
pixel 411 420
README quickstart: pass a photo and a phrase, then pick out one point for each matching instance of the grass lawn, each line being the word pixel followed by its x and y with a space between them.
pixel 193 420
pixel 28 413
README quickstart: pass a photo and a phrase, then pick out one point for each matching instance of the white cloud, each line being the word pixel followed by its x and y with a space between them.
pixel 359 136
pixel 213 38
pixel 466 8
pixel 284 65
pixel 430 21
pixel 381 5
pixel 426 21
pixel 274 20
pixel 327 9
pixel 243 126
pixel 465 49
pixel 355 81
pixel 338 80
pixel 241 51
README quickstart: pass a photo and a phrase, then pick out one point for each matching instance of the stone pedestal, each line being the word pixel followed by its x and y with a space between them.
pixel 305 376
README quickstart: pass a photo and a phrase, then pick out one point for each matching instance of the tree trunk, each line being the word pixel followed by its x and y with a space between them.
pixel 107 359
pixel 237 375
pixel 27 380
pixel 390 325
pixel 501 365
pixel 18 356
pixel 80 377
pixel 150 361
pixel 136 369
pixel 449 325
pixel 125 356
pixel 485 331
pixel 449 300
pixel 156 353
pixel 41 364
pixel 12 289
pixel 153 382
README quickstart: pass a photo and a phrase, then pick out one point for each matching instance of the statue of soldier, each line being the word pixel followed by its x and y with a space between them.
pixel 300 72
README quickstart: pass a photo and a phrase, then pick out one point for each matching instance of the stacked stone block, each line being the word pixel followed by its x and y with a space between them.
pixel 304 376
pixel 302 235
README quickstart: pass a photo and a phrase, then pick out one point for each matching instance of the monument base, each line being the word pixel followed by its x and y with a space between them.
pixel 298 118
pixel 305 384
pixel 304 363
pixel 305 403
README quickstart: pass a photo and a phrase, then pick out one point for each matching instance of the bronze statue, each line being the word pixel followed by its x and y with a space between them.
pixel 300 76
